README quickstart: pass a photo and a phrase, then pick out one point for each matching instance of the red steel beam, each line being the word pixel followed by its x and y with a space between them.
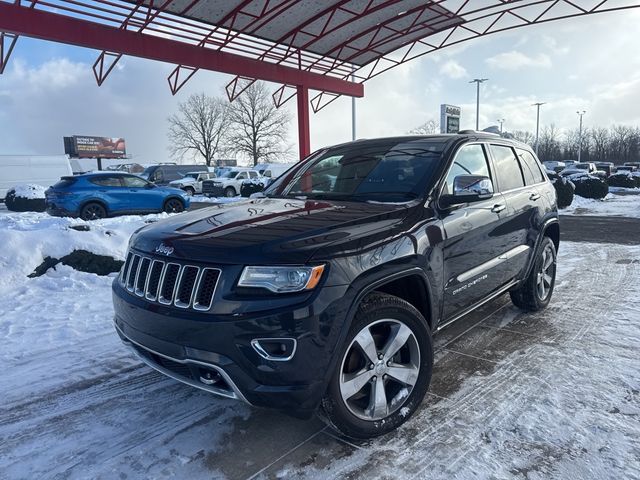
pixel 65 29
pixel 304 138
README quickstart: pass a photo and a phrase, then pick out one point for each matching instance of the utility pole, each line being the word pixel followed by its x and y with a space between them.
pixel 353 113
pixel 500 121
pixel 539 104
pixel 478 81
pixel 580 114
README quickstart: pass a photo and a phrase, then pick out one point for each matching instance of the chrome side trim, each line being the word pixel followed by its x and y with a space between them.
pixel 494 262
pixel 235 393
pixel 255 343
pixel 495 294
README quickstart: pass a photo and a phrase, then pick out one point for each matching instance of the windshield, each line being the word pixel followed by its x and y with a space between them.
pixel 230 174
pixel 191 175
pixel 385 171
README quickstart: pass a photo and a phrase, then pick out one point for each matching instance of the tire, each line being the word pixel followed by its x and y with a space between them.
pixel 173 205
pixel 189 191
pixel 382 316
pixel 229 192
pixel 93 211
pixel 535 293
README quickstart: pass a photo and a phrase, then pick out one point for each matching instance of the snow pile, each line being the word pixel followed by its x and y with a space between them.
pixel 612 205
pixel 216 200
pixel 29 191
pixel 28 238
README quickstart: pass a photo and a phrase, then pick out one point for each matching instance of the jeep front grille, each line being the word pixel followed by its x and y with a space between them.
pixel 170 283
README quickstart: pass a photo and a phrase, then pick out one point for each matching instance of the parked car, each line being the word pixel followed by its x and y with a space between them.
pixel 165 174
pixel 126 167
pixel 607 167
pixel 43 170
pixel 554 166
pixel 191 183
pixel 626 168
pixel 632 164
pixel 228 184
pixel 102 194
pixel 325 293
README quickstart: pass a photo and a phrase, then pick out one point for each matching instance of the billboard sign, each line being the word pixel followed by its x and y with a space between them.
pixel 95 147
pixel 449 118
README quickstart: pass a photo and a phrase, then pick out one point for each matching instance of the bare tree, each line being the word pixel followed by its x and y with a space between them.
pixel 259 129
pixel 523 136
pixel 427 128
pixel 600 141
pixel 199 128
pixel 550 147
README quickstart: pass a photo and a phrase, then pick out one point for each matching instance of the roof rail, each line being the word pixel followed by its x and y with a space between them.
pixel 477 132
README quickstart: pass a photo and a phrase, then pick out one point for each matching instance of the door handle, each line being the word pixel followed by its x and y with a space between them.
pixel 534 196
pixel 498 208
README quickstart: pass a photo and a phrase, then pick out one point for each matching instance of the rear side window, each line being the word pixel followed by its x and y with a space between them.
pixel 106 181
pixel 469 160
pixel 530 168
pixel 507 168
pixel 65 182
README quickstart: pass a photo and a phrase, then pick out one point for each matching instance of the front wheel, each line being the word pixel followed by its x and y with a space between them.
pixel 189 191
pixel 229 192
pixel 384 369
pixel 535 293
pixel 173 205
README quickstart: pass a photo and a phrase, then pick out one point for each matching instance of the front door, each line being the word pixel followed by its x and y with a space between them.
pixel 475 237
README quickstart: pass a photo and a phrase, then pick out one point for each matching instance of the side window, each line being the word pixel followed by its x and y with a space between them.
pixel 242 176
pixel 253 174
pixel 133 182
pixel 507 168
pixel 158 176
pixel 106 181
pixel 469 160
pixel 530 168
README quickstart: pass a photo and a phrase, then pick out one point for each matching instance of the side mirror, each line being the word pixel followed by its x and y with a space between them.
pixel 468 189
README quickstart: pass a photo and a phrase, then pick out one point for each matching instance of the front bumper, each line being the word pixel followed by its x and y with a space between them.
pixel 214 352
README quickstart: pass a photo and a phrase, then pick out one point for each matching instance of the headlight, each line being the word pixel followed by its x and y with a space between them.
pixel 281 279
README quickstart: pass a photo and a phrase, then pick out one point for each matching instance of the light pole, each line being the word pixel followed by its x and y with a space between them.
pixel 580 114
pixel 537 123
pixel 500 121
pixel 478 81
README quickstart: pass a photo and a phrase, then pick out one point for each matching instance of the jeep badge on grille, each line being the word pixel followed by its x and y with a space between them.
pixel 164 250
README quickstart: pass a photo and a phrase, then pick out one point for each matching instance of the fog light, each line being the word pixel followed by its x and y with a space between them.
pixel 275 349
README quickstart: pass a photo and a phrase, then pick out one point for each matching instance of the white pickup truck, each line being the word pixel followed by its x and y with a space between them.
pixel 191 183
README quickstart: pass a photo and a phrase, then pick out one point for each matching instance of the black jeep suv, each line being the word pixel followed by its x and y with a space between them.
pixel 323 294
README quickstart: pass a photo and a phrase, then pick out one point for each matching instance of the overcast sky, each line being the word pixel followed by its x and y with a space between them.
pixel 593 63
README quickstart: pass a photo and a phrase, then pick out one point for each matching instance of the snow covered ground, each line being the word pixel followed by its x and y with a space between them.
pixel 526 396
pixel 620 202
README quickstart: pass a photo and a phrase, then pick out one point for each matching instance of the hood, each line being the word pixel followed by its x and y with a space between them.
pixel 267 230
pixel 183 181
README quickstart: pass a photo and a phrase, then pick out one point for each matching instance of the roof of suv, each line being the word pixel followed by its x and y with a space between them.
pixel 442 137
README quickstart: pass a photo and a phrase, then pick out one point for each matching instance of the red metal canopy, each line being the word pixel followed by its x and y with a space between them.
pixel 332 46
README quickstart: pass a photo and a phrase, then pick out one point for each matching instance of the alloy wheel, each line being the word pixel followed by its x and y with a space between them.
pixel 379 369
pixel 544 280
pixel 173 206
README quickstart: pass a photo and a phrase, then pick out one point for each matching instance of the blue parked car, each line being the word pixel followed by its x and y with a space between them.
pixel 102 194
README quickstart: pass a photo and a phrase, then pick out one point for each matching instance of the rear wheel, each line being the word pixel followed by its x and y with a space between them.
pixel 535 293
pixel 173 205
pixel 384 369
pixel 93 211
pixel 229 192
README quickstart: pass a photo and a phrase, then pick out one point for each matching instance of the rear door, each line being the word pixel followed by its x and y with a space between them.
pixel 475 237
pixel 521 196
pixel 110 189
